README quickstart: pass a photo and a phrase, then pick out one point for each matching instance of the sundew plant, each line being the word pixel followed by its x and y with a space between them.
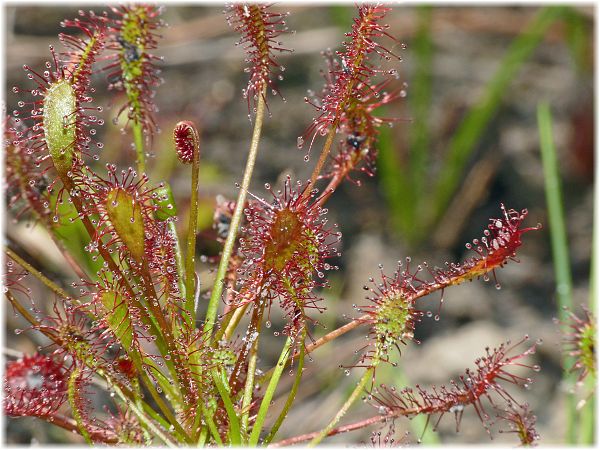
pixel 140 349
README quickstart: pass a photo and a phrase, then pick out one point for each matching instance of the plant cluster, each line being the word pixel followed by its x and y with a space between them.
pixel 132 320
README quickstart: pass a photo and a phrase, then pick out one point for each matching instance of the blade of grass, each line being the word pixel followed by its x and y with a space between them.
pixel 578 36
pixel 291 395
pixel 419 102
pixel 587 429
pixel 234 424
pixel 477 119
pixel 271 387
pixel 212 427
pixel 560 251
pixel 394 179
pixel 404 183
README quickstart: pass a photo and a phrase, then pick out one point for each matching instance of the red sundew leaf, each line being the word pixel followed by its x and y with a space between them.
pixel 260 28
pixel 392 312
pixel 351 93
pixel 35 385
pixel 287 245
pixel 484 385
pixel 132 67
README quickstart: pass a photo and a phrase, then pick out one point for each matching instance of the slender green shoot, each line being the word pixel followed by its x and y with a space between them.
pixel 467 136
pixel 269 393
pixel 138 139
pixel 291 395
pixel 217 290
pixel 190 256
pixel 358 390
pixel 234 424
pixel 560 250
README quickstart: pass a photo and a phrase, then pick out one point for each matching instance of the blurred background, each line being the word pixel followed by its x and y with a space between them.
pixel 467 140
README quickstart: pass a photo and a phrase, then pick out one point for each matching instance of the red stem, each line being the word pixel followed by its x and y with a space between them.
pixel 70 425
pixel 342 429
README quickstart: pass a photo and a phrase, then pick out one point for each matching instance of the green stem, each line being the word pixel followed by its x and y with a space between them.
pixel 212 427
pixel 291 395
pixel 36 273
pixel 254 334
pixel 73 393
pixel 217 290
pixel 138 138
pixel 178 259
pixel 143 418
pixel 368 375
pixel 560 250
pixel 266 402
pixel 190 257
pixel 234 425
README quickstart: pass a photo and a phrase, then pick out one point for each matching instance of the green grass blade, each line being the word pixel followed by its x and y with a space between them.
pixel 271 387
pixel 212 427
pixel 560 249
pixel 472 127
pixel 395 183
pixel 235 437
pixel 420 102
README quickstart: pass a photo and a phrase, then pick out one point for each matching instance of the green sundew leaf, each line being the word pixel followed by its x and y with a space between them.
pixel 74 395
pixel 165 201
pixel 73 234
pixel 125 214
pixel 60 132
pixel 118 318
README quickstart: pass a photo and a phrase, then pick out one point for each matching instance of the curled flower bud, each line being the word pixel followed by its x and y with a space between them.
pixel 187 141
